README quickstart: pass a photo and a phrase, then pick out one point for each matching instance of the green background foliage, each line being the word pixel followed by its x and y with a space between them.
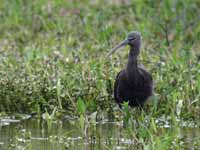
pixel 52 53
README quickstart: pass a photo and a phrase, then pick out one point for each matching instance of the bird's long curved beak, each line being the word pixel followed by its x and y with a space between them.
pixel 123 43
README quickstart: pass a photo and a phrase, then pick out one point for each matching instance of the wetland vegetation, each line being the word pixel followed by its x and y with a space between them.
pixel 56 86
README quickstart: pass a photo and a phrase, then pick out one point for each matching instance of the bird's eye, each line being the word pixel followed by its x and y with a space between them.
pixel 131 38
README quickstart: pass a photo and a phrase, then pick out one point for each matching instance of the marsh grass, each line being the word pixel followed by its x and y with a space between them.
pixel 52 55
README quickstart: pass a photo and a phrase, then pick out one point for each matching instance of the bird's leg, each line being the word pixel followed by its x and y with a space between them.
pixel 141 107
pixel 120 105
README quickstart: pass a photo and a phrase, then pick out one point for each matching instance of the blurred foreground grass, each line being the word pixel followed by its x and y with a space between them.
pixel 52 53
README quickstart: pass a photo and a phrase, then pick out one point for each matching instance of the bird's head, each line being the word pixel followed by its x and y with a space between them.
pixel 133 40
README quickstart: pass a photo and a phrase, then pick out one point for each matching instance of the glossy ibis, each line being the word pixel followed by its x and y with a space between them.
pixel 133 84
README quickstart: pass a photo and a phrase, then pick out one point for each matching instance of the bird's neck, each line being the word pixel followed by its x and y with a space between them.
pixel 132 67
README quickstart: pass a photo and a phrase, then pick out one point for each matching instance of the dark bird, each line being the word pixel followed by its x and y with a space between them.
pixel 133 84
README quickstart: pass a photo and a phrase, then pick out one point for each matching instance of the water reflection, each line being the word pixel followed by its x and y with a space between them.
pixel 66 134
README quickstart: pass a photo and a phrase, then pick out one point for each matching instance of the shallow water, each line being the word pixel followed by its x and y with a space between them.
pixel 66 134
pixel 63 135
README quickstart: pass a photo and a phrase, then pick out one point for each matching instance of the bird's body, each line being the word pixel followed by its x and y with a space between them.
pixel 136 93
pixel 133 84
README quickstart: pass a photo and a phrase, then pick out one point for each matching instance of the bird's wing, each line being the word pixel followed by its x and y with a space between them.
pixel 147 80
pixel 146 75
pixel 116 84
